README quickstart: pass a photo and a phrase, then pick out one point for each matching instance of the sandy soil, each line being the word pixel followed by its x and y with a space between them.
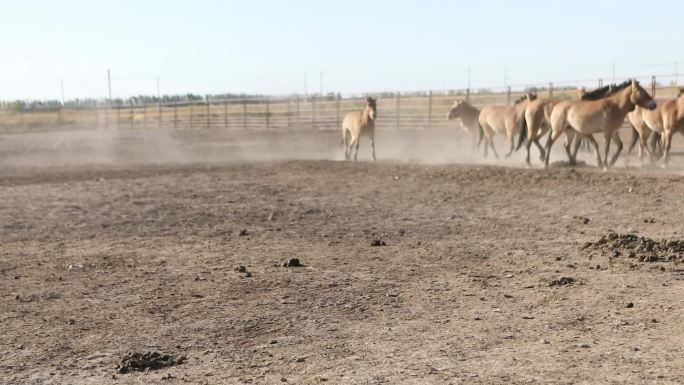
pixel 118 242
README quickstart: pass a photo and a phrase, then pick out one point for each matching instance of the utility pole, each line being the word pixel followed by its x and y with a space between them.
pixel 158 93
pixel 109 84
pixel 305 90
pixel 61 88
pixel 506 76
pixel 321 83
pixel 676 73
pixel 468 77
pixel 613 72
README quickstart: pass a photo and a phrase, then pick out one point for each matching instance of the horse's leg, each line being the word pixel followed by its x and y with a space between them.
pixel 491 144
pixel 569 138
pixel 511 138
pixel 352 144
pixel 578 145
pixel 593 141
pixel 345 139
pixel 607 137
pixel 668 143
pixel 542 153
pixel 618 141
pixel 553 136
pixel 357 141
pixel 372 143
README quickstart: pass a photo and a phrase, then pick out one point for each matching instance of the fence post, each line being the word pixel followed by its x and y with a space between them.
pixel 653 86
pixel 468 95
pixel 159 113
pixel 208 114
pixel 429 109
pixel 175 115
pixel 190 114
pixel 244 114
pixel 600 83
pixel 118 117
pixel 508 95
pixel 297 101
pixel 268 115
pixel 550 90
pixel 313 111
pixel 337 108
pixel 397 118
pixel 288 111
pixel 225 114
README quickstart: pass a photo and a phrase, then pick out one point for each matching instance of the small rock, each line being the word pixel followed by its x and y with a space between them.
pixel 584 346
pixel 300 359
pixel 241 269
pixel 75 267
pixel 71 321
pixel 243 232
pixel 378 242
pixel 629 305
pixel 562 281
pixel 292 262
pixel 544 341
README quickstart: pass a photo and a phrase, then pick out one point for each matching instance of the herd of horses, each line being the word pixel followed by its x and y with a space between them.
pixel 601 111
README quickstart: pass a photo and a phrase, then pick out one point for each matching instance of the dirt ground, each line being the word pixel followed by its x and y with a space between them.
pixel 129 241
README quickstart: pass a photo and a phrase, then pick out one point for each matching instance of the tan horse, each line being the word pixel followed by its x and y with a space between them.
pixel 469 117
pixel 588 117
pixel 504 120
pixel 537 123
pixel 357 124
pixel 651 125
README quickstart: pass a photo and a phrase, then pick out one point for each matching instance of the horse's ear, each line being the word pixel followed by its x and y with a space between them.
pixel 634 83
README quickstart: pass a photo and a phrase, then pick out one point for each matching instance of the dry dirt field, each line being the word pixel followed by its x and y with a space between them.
pixel 130 241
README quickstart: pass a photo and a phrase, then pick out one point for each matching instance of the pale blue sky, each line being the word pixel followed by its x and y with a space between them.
pixel 361 46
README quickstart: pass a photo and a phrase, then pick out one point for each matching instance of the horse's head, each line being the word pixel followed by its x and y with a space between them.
pixel 531 96
pixel 639 97
pixel 455 110
pixel 371 105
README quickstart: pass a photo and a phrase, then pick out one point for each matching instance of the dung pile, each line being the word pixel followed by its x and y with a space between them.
pixel 642 248
pixel 140 362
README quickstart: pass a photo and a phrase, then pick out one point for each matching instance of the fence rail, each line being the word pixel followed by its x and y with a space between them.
pixel 395 111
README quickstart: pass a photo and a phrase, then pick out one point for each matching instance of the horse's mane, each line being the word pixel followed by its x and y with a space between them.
pixel 524 97
pixel 606 90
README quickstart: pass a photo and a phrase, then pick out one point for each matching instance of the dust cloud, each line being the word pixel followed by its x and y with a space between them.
pixel 152 146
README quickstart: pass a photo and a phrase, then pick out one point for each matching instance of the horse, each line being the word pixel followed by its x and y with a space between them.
pixel 469 117
pixel 648 126
pixel 537 122
pixel 504 120
pixel 357 124
pixel 605 115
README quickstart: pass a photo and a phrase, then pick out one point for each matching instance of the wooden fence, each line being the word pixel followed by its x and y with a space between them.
pixel 425 110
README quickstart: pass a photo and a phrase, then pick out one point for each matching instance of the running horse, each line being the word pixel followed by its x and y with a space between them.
pixel 357 124
pixel 504 120
pixel 648 127
pixel 606 115
pixel 469 117
pixel 537 122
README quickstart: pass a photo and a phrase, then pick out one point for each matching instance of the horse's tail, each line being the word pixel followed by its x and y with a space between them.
pixel 634 140
pixel 522 136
